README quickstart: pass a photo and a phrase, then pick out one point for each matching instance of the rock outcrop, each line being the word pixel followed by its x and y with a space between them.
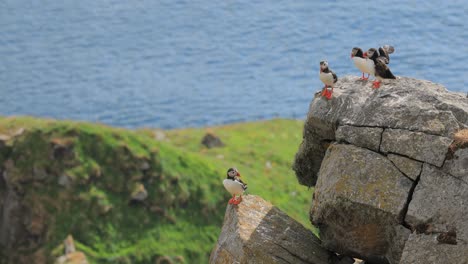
pixel 391 185
pixel 257 232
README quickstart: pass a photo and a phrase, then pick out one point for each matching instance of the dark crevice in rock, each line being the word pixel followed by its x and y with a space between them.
pixel 381 139
pixel 408 157
pixel 282 259
pixel 344 142
pixel 404 211
pixel 404 174
pixel 399 128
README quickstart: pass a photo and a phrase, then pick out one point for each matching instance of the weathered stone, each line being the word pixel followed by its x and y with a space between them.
pixel 416 145
pixel 409 167
pixel 366 137
pixel 257 232
pixel 65 180
pixel 457 165
pixel 358 200
pixel 139 192
pixel 405 103
pixel 211 140
pixel 425 249
pixel 440 200
pixel 72 258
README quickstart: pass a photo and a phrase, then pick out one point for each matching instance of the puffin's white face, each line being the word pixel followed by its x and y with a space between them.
pixel 354 52
pixel 323 65
pixel 370 53
pixel 233 173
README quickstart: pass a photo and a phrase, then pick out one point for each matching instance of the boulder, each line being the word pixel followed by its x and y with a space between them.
pixel 404 104
pixel 389 169
pixel 255 231
pixel 211 140
pixel 358 201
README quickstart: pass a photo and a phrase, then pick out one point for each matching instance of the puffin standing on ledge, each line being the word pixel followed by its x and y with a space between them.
pixel 329 78
pixel 380 66
pixel 361 62
pixel 234 185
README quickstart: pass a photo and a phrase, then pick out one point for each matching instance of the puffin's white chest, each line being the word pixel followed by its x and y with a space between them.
pixel 233 187
pixel 327 78
pixel 364 65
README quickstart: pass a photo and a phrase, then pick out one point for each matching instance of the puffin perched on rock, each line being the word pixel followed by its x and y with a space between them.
pixel 234 185
pixel 381 70
pixel 329 78
pixel 364 64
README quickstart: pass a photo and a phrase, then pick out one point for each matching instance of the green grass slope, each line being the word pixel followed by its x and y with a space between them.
pixel 78 178
pixel 263 152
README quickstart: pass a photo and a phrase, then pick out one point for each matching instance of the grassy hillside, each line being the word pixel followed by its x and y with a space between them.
pixel 79 178
pixel 263 152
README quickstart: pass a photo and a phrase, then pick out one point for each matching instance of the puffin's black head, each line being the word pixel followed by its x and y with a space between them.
pixel 232 172
pixel 372 53
pixel 357 52
pixel 323 65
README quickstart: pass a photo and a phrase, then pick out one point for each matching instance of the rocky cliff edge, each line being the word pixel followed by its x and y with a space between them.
pixel 390 175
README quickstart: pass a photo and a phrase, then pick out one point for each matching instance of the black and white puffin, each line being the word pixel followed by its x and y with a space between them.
pixel 364 64
pixel 385 52
pixel 329 78
pixel 234 185
pixel 382 71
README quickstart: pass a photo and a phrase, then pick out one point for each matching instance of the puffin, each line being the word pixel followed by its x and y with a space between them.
pixel 385 51
pixel 382 71
pixel 364 64
pixel 329 78
pixel 234 185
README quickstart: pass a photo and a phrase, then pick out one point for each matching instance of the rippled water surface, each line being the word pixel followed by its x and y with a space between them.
pixel 193 63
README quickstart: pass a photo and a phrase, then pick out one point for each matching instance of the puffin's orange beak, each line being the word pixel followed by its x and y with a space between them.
pixel 238 174
pixel 365 54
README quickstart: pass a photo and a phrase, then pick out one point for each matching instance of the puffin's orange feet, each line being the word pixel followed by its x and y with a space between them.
pixel 364 78
pixel 376 84
pixel 324 90
pixel 237 200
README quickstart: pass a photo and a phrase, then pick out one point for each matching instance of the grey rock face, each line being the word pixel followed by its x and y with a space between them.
pixel 416 145
pixel 366 137
pixel 257 232
pixel 457 165
pixel 424 249
pixel 409 167
pixel 441 201
pixel 395 172
pixel 405 103
pixel 358 199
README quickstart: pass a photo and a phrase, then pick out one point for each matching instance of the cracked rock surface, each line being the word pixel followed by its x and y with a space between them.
pixel 388 181
pixel 255 231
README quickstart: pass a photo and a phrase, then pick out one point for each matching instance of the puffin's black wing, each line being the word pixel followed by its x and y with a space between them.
pixel 335 77
pixel 384 55
pixel 382 70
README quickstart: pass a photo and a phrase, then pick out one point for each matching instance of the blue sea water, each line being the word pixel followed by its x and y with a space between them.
pixel 175 63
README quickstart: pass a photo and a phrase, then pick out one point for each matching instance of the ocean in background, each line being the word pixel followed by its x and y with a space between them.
pixel 172 64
